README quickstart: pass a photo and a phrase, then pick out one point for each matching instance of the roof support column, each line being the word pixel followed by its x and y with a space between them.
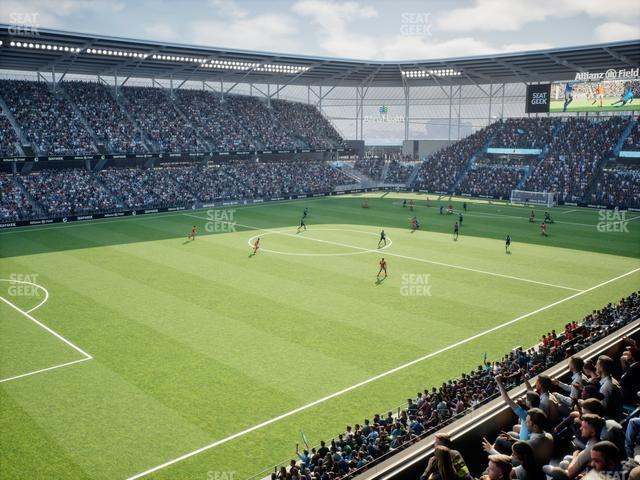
pixel 406 112
pixel 357 110
pixel 268 95
pixel 459 109
pixel 490 103
pixel 450 108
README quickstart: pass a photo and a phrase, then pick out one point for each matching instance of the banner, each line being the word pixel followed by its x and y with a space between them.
pixel 538 97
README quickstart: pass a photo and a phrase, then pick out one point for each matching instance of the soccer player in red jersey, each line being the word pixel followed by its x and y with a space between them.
pixel 256 245
pixel 383 268
pixel 543 229
pixel 192 236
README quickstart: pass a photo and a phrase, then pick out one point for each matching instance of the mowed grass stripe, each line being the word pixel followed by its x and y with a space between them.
pixel 167 394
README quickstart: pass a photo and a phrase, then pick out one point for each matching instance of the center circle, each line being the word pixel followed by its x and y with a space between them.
pixel 358 250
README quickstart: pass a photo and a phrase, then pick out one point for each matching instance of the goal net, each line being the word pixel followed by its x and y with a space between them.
pixel 523 197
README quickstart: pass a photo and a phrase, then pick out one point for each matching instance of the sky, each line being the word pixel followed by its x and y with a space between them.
pixel 366 30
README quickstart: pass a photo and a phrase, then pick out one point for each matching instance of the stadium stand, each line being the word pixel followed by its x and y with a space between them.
pixel 371 167
pixel 551 411
pixel 490 181
pixel 76 191
pixel 307 123
pixel 617 187
pixel 573 158
pixel 525 132
pixel 261 123
pixel 213 121
pixel 632 142
pixel 441 170
pixel 155 113
pixel 107 120
pixel 398 172
pixel 15 204
pixel 8 138
pixel 46 119
pixel 68 192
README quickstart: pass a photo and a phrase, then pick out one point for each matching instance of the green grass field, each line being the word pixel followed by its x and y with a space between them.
pixel 585 105
pixel 195 344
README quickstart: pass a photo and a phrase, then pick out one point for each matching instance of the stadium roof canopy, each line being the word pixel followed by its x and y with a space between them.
pixel 77 53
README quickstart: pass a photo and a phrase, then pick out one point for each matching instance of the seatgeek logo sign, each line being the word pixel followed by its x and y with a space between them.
pixel 610 74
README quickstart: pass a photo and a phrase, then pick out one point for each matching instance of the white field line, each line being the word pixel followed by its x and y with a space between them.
pixel 101 221
pixel 28 374
pixel 46 292
pixel 372 379
pixel 566 211
pixel 387 253
pixel 55 334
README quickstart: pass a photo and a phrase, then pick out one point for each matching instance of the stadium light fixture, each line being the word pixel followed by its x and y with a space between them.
pixel 442 72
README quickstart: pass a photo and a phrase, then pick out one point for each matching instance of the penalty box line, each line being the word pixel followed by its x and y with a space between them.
pixel 387 253
pixel 373 379
pixel 86 356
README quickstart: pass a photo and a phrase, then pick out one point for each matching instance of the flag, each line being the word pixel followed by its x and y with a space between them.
pixel 304 440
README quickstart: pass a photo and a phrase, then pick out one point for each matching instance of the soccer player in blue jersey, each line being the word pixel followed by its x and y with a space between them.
pixel 626 97
pixel 383 238
pixel 568 95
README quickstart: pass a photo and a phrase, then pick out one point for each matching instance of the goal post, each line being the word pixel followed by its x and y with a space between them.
pixel 523 197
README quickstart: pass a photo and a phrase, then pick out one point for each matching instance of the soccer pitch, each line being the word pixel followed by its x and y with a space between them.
pixel 134 353
pixel 586 105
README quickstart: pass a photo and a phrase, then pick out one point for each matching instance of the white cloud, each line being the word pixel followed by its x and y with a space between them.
pixel 422 48
pixel 48 14
pixel 335 22
pixel 614 31
pixel 525 47
pixel 264 33
pixel 163 32
pixel 229 8
pixel 418 48
pixel 509 15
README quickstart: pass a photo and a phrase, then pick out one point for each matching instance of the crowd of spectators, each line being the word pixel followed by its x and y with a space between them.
pixel 370 166
pixel 525 132
pixel 47 120
pixel 147 187
pixel 184 185
pixel 14 205
pixel 307 123
pixel 440 170
pixel 398 172
pixel 67 192
pixel 8 138
pixel 361 445
pixel 492 181
pixel 214 122
pixel 153 110
pixel 578 149
pixel 632 142
pixel 261 123
pixel 617 187
pixel 75 191
pixel 102 112
pixel 185 121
